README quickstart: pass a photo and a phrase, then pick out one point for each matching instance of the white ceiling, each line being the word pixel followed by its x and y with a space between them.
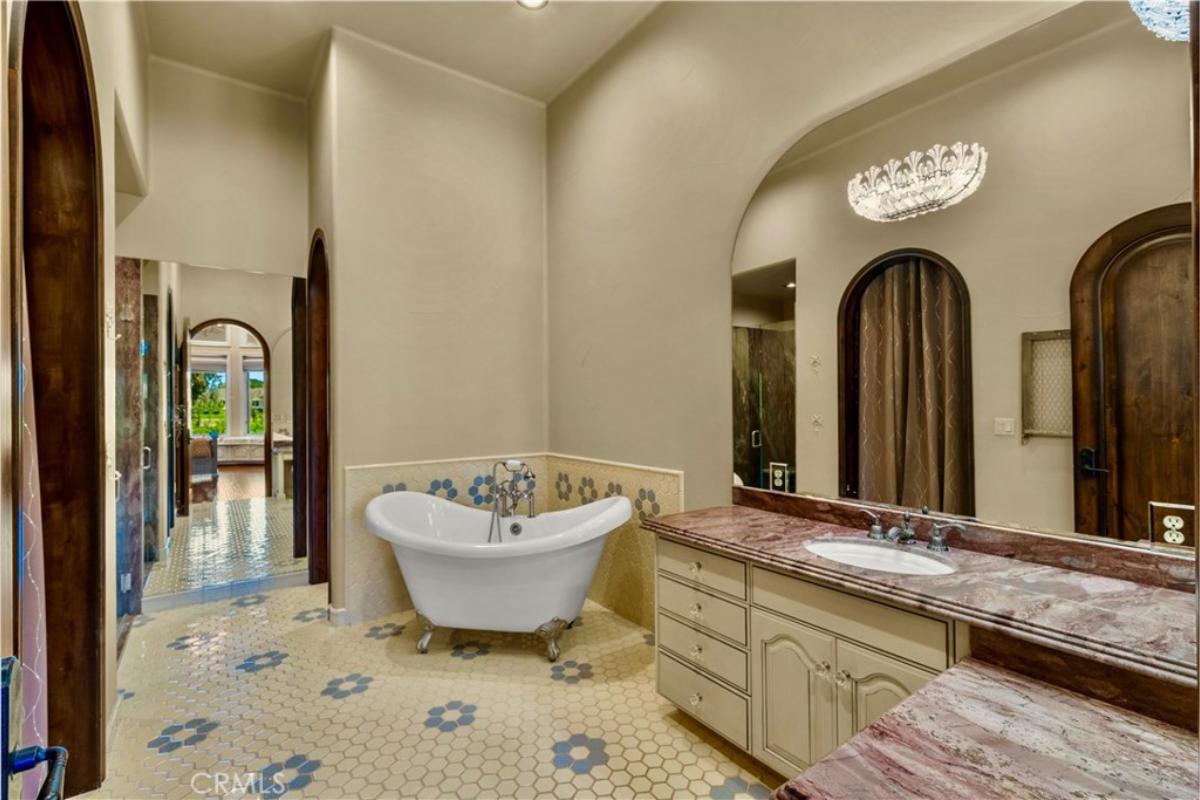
pixel 275 44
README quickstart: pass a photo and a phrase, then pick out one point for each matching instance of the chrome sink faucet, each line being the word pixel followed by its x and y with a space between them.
pixel 508 495
pixel 905 535
pixel 937 539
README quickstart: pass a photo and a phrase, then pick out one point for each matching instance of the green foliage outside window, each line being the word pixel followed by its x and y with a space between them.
pixel 256 401
pixel 208 403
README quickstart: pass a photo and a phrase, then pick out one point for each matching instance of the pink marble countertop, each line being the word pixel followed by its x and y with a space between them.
pixel 978 732
pixel 1131 625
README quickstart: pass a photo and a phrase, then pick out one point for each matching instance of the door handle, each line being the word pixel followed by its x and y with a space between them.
pixel 147 455
pixel 756 438
pixel 1088 462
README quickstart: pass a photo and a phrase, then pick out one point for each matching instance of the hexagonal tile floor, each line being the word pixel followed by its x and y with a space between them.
pixel 259 696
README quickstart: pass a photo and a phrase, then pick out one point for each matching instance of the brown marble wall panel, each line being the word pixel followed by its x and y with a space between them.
pixel 1079 553
pixel 1169 702
pixel 128 289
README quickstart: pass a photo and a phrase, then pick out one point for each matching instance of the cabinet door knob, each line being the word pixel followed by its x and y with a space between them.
pixel 843 677
pixel 694 611
pixel 822 669
pixel 697 651
pixel 695 567
pixel 695 700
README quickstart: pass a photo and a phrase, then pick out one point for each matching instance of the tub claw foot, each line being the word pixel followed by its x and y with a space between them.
pixel 426 635
pixel 550 631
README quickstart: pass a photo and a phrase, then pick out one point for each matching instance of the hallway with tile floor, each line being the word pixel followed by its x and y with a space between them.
pixel 225 542
pixel 263 684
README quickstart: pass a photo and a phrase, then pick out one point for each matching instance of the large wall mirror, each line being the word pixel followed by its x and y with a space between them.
pixel 1018 349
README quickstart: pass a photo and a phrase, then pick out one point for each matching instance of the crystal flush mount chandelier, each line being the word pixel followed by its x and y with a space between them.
pixel 1166 19
pixel 923 182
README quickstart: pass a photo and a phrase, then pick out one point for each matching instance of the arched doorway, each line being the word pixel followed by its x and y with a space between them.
pixel 56 227
pixel 904 388
pixel 253 420
pixel 1132 325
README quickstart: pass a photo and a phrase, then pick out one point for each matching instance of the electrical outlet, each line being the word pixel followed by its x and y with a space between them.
pixel 1005 426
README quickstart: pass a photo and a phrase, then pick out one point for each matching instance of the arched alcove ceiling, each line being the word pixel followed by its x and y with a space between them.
pixel 1068 26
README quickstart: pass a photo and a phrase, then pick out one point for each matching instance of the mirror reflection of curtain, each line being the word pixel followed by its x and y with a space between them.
pixel 914 429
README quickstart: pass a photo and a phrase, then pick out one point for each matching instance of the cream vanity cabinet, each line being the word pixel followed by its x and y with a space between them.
pixel 784 668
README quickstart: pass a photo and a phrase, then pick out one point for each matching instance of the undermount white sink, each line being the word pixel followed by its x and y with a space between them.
pixel 880 556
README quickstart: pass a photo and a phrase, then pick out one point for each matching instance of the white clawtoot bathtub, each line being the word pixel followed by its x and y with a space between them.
pixel 535 580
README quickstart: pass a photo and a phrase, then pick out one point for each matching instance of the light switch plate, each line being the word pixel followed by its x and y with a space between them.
pixel 1005 426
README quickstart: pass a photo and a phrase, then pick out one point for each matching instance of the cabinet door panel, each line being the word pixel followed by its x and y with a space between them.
pixel 792 691
pixel 869 685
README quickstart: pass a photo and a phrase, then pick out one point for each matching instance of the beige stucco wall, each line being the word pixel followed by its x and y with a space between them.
pixel 1078 140
pixel 653 156
pixel 436 276
pixel 229 185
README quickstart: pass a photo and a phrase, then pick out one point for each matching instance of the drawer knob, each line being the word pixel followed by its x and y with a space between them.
pixel 842 677
pixel 695 567
pixel 822 669
pixel 695 700
pixel 694 611
pixel 697 651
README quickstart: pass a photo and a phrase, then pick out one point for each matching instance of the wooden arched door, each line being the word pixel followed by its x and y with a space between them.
pixel 56 226
pixel 904 384
pixel 1133 336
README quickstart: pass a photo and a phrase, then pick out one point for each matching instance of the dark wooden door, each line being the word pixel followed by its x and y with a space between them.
pixel 299 417
pixel 317 430
pixel 183 422
pixel 1134 345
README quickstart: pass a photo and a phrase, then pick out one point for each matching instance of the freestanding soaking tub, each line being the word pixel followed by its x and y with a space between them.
pixel 534 580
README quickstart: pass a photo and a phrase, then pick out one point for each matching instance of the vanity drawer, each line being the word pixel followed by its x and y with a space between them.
pixel 703 609
pixel 701 650
pixel 715 572
pixel 723 710
pixel 911 636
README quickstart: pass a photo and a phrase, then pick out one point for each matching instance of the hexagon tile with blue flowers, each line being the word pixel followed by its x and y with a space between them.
pixel 281 777
pixel 186 734
pixel 571 672
pixel 451 716
pixel 468 651
pixel 384 630
pixel 261 661
pixel 443 488
pixel 341 688
pixel 736 788
pixel 580 754
pixel 480 489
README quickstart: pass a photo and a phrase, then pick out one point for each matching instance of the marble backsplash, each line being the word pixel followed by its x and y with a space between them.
pixel 624 580
pixel 1168 570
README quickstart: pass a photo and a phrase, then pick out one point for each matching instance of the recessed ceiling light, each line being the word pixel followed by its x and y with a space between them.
pixel 532 5
pixel 791 285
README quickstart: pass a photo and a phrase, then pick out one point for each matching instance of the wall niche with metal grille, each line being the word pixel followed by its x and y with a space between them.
pixel 1046 394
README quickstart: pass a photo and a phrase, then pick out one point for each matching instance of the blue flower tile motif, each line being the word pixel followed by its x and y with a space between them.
pixel 398 486
pixel 125 694
pixel 312 614
pixel 646 504
pixel 587 490
pixel 579 754
pixel 562 486
pixel 451 716
pixel 571 672
pixel 443 488
pixel 737 788
pixel 480 489
pixel 341 688
pixel 613 490
pixel 190 641
pixel 470 650
pixel 250 600
pixel 292 774
pixel 186 734
pixel 261 661
pixel 385 630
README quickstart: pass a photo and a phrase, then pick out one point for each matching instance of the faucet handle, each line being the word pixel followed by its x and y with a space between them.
pixel 876 531
pixel 937 538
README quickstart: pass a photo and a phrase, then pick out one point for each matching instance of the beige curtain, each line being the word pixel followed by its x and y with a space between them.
pixel 914 429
